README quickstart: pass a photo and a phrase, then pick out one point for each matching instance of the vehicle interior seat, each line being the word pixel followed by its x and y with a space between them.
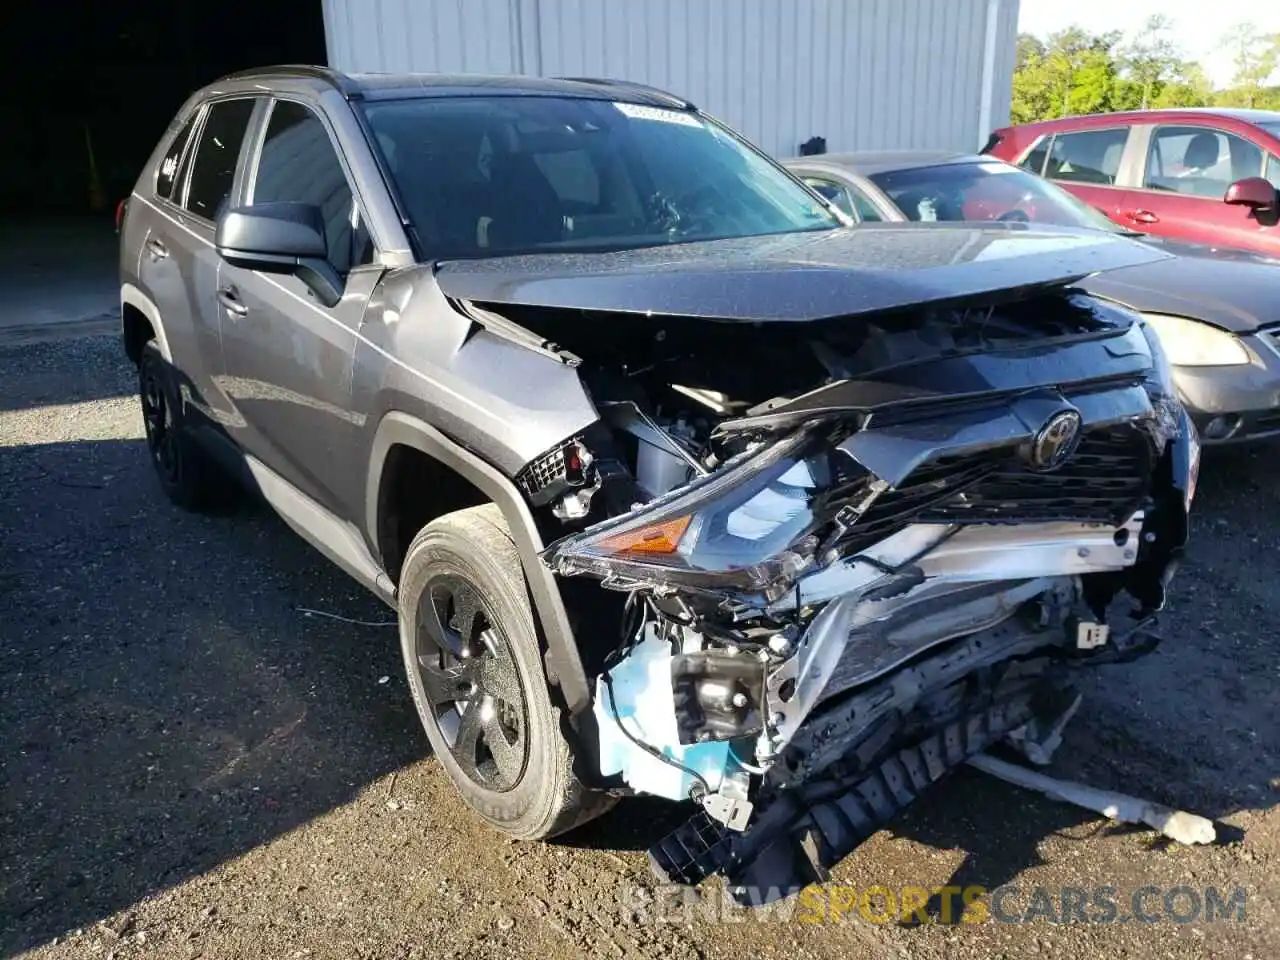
pixel 1085 158
pixel 538 218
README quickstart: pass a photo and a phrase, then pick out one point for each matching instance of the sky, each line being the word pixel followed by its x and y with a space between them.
pixel 1197 24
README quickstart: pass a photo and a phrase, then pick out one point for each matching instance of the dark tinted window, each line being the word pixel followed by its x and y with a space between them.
pixel 572 176
pixel 846 196
pixel 986 190
pixel 214 168
pixel 1199 162
pixel 866 210
pixel 171 167
pixel 299 163
pixel 482 176
pixel 1087 156
pixel 834 192
pixel 1034 161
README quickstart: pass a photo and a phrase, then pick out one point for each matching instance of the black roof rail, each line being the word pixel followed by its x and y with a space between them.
pixel 334 78
pixel 658 92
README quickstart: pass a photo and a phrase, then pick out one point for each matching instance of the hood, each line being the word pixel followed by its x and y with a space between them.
pixel 1237 295
pixel 798 276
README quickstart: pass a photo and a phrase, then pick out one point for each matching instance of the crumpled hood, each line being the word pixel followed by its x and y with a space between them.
pixel 1236 294
pixel 798 276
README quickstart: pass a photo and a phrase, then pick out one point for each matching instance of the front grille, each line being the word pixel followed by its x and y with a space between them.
pixel 1105 481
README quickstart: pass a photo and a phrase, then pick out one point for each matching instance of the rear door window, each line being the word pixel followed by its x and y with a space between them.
pixel 169 176
pixel 214 169
pixel 1199 161
pixel 1087 156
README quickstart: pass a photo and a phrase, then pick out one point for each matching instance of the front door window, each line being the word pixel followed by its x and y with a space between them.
pixel 1199 162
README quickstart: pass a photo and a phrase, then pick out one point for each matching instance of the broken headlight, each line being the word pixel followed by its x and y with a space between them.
pixel 751 525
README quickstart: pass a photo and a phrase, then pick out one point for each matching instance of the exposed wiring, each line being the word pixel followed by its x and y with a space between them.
pixel 308 612
pixel 649 748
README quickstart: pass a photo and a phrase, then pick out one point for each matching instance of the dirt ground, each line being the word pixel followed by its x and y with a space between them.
pixel 192 766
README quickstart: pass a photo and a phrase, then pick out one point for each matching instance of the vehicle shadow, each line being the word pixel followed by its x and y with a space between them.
pixel 165 705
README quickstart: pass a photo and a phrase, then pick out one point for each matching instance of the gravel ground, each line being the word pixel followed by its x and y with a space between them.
pixel 194 767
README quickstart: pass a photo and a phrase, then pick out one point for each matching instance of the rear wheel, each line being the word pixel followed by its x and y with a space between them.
pixel 185 473
pixel 474 666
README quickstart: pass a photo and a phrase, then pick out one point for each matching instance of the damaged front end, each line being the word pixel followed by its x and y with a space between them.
pixel 834 597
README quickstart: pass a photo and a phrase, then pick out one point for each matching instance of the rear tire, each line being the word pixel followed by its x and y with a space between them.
pixel 186 475
pixel 474 666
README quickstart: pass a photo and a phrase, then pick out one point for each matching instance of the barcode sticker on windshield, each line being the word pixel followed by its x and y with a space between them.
pixel 637 112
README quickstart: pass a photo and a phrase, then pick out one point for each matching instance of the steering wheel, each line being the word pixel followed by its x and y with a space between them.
pixel 1013 216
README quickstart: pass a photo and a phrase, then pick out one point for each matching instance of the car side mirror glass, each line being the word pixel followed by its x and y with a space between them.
pixel 280 237
pixel 1254 192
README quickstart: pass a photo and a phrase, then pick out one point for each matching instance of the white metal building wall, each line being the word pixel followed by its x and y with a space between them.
pixel 865 74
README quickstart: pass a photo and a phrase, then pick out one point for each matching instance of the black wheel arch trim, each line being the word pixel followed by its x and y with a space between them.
pixel 562 648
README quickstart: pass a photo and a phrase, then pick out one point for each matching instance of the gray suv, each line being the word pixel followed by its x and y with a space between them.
pixel 679 485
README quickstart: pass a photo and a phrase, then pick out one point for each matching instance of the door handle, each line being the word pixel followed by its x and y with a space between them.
pixel 227 297
pixel 157 249
pixel 1142 216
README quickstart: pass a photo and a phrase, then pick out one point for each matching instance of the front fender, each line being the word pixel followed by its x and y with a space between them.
pixel 564 660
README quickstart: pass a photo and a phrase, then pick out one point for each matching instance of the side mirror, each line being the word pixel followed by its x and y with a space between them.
pixel 281 237
pixel 1253 192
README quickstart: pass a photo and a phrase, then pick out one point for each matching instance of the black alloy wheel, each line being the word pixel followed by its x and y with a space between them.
pixel 471 684
pixel 160 424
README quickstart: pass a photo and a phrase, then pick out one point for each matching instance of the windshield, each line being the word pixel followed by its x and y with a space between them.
pixel 485 176
pixel 986 190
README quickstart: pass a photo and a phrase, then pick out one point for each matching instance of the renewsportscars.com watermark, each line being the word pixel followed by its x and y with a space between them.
pixel 838 903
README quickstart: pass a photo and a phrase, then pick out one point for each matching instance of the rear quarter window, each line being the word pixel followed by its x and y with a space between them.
pixel 1036 156
pixel 169 174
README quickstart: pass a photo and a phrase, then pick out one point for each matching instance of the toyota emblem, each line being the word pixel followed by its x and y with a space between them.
pixel 1056 441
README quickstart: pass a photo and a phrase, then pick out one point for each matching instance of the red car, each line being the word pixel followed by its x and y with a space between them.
pixel 1204 176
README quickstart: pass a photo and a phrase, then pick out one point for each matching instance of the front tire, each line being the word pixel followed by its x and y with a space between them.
pixel 474 666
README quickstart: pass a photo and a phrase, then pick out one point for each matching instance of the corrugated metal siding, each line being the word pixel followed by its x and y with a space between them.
pixel 1006 49
pixel 865 74
pixel 427 36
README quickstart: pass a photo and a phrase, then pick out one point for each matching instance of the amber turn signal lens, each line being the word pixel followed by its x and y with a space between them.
pixel 656 538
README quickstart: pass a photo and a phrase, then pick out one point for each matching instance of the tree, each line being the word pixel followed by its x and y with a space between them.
pixel 1187 86
pixel 1255 56
pixel 1150 58
pixel 1069 73
pixel 1030 76
pixel 1074 72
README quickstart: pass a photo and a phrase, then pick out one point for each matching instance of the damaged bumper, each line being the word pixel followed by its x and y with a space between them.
pixel 860 599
